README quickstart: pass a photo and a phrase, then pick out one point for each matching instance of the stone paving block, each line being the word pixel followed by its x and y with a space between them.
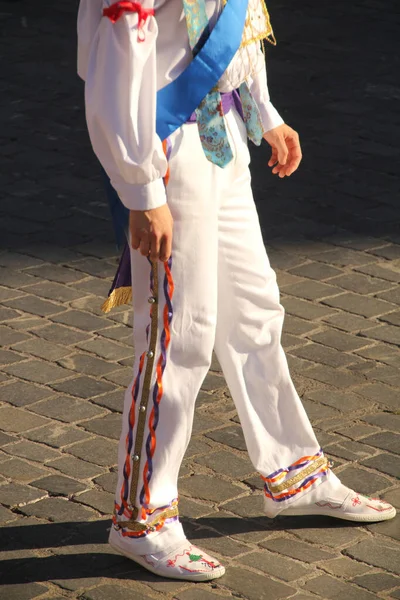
pixel 316 270
pixel 349 322
pixel 7 357
pixel 351 451
pixel 7 294
pixel 84 387
pixel 36 306
pixel 392 296
pixel 107 349
pixel 56 273
pixel 324 531
pixel 89 365
pixel 116 592
pixel 28 323
pixel 289 341
pixel 244 530
pixel 22 591
pixel 380 393
pixel 9 337
pixel 252 586
pixel 37 452
pixel 316 411
pixel 21 393
pixel 386 440
pixel 339 340
pixel 192 509
pixel 345 257
pixel 332 588
pixel 360 305
pixel 91 304
pixel 122 376
pixel 387 333
pixel 58 510
pixel 384 374
pixel 358 431
pixel 213 382
pixel 204 487
pixel 54 291
pixel 114 401
pixel 377 582
pixel 385 420
pixel 382 270
pixel 21 470
pixel 345 567
pixel 101 501
pixel 376 552
pixel 6 516
pixel 339 378
pixel 69 410
pixel 98 451
pixel 388 528
pixel 59 334
pixel 305 310
pixel 249 506
pixel 327 356
pixel 57 485
pixel 7 314
pixel 228 464
pixel 362 284
pixel 118 333
pixel 203 422
pixel 230 436
pixel 42 349
pixel 275 565
pixel 363 481
pixel 16 494
pixel 198 593
pixel 38 371
pixel 93 285
pixel 311 290
pixel 82 320
pixel 303 551
pixel 221 545
pixel 382 353
pixel 197 446
pixel 6 439
pixel 95 267
pixel 108 481
pixel 17 420
pixel 346 402
pixel 75 467
pixel 296 326
pixel 15 279
pixel 57 435
pixel 391 251
pixel 385 463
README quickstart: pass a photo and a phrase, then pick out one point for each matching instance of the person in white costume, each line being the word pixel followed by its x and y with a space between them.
pixel 201 281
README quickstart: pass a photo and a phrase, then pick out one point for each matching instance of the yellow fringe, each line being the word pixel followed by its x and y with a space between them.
pixel 118 297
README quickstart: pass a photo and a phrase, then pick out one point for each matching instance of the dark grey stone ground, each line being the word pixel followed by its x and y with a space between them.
pixel 333 235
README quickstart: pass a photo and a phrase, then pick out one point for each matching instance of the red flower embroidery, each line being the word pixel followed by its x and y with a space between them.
pixel 356 500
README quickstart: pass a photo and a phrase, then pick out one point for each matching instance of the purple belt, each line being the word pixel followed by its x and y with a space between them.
pixel 228 99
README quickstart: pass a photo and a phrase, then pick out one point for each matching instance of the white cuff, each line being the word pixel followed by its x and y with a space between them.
pixel 270 117
pixel 142 196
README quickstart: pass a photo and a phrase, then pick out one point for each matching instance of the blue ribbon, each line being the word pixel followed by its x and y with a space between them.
pixel 177 100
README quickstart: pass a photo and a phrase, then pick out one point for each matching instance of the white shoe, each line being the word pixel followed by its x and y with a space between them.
pixel 354 507
pixel 184 561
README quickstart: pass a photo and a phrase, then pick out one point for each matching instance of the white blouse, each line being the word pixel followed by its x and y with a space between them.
pixel 122 77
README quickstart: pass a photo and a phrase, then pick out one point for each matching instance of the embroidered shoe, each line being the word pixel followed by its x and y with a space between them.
pixel 185 561
pixel 354 507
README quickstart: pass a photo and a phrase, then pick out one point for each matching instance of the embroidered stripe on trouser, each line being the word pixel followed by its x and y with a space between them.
pixel 225 296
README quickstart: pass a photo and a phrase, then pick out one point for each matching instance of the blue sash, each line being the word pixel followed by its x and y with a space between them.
pixel 177 100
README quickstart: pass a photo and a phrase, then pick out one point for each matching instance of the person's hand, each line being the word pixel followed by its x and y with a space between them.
pixel 286 151
pixel 151 232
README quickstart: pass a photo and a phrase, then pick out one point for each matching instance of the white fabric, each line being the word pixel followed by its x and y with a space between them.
pixel 122 78
pixel 226 296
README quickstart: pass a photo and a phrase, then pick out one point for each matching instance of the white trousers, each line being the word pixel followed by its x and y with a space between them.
pixel 217 292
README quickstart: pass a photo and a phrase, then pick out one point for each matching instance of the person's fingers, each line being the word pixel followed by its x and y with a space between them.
pixel 295 153
pixel 282 150
pixel 144 247
pixel 166 248
pixel 274 158
pixel 154 246
pixel 135 239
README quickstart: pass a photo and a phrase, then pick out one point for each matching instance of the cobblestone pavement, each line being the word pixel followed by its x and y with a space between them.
pixel 333 235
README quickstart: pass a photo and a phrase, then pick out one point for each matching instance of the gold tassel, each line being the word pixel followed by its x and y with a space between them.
pixel 118 297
